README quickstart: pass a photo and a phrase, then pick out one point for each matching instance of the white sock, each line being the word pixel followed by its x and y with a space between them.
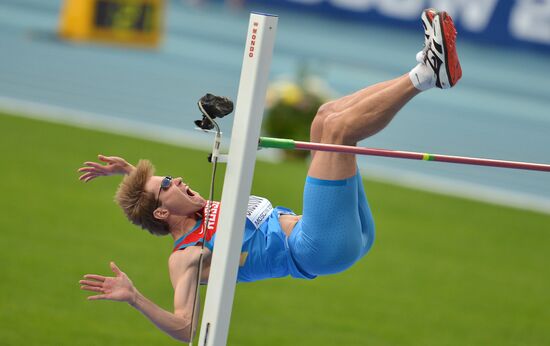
pixel 422 77
pixel 420 56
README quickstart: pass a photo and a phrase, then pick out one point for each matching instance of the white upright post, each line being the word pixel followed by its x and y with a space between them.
pixel 238 179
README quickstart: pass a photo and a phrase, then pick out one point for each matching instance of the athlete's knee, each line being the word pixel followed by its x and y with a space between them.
pixel 338 129
pixel 317 125
pixel 326 109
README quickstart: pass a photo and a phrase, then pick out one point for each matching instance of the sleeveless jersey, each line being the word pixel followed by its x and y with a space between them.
pixel 264 252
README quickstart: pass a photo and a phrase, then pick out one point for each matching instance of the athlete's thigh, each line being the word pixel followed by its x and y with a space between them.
pixel 328 237
pixel 365 216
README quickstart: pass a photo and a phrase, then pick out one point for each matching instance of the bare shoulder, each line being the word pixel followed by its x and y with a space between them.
pixel 181 260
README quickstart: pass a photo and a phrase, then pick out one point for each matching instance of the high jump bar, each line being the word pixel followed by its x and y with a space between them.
pixel 280 143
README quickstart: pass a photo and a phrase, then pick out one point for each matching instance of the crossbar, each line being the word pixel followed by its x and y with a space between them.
pixel 280 143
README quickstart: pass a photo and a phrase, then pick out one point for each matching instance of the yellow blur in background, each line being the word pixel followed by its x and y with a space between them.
pixel 127 22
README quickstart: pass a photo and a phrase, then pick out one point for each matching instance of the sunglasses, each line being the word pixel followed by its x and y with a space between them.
pixel 164 185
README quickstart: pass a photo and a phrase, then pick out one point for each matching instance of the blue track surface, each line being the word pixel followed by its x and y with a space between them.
pixel 501 108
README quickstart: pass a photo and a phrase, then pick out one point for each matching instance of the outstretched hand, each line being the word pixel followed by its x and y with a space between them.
pixel 114 165
pixel 119 288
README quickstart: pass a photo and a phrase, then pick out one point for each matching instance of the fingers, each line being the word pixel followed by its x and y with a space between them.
pixel 100 278
pixel 91 283
pixel 87 169
pixel 109 159
pixel 115 269
pixel 92 286
pixel 98 297
pixel 94 283
pixel 91 171
pixel 94 165
pixel 89 176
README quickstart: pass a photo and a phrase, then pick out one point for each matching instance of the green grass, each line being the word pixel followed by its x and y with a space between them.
pixel 443 271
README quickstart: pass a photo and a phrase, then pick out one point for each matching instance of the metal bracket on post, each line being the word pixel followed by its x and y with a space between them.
pixel 221 158
pixel 238 179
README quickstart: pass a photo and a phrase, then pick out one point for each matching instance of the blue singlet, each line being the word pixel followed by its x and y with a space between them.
pixel 336 230
pixel 264 253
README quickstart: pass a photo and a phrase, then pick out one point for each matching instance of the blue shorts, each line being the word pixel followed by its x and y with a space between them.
pixel 336 228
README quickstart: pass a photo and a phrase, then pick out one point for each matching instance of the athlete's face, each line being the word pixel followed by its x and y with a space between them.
pixel 174 196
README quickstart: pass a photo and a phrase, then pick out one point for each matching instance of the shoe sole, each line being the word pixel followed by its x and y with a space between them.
pixel 452 74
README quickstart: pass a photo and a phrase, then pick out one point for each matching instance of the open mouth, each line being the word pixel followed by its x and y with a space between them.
pixel 189 192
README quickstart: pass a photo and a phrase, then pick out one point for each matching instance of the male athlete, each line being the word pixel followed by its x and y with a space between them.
pixel 336 228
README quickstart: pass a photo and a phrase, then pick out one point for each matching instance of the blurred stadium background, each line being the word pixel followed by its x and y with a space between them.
pixel 472 274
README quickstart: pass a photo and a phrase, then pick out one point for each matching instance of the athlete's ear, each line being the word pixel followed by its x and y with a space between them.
pixel 161 213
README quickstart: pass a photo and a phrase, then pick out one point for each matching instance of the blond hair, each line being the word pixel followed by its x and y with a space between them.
pixel 139 204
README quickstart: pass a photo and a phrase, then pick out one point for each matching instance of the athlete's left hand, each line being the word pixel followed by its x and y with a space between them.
pixel 119 288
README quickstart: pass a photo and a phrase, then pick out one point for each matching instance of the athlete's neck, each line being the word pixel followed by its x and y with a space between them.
pixel 182 225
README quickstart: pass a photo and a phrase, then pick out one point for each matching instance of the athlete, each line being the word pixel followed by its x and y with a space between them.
pixel 336 228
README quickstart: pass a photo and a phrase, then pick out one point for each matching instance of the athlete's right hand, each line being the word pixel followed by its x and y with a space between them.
pixel 115 165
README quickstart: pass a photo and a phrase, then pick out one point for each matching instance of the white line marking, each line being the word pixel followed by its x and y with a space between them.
pixel 197 140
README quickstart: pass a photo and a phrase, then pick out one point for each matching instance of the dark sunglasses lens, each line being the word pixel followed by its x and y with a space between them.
pixel 166 182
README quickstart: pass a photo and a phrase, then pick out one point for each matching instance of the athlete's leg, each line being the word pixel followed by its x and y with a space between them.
pixel 360 119
pixel 337 228
pixel 339 105
pixel 344 102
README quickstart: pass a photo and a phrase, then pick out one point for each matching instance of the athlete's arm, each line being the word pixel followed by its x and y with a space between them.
pixel 114 165
pixel 121 288
pixel 184 266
